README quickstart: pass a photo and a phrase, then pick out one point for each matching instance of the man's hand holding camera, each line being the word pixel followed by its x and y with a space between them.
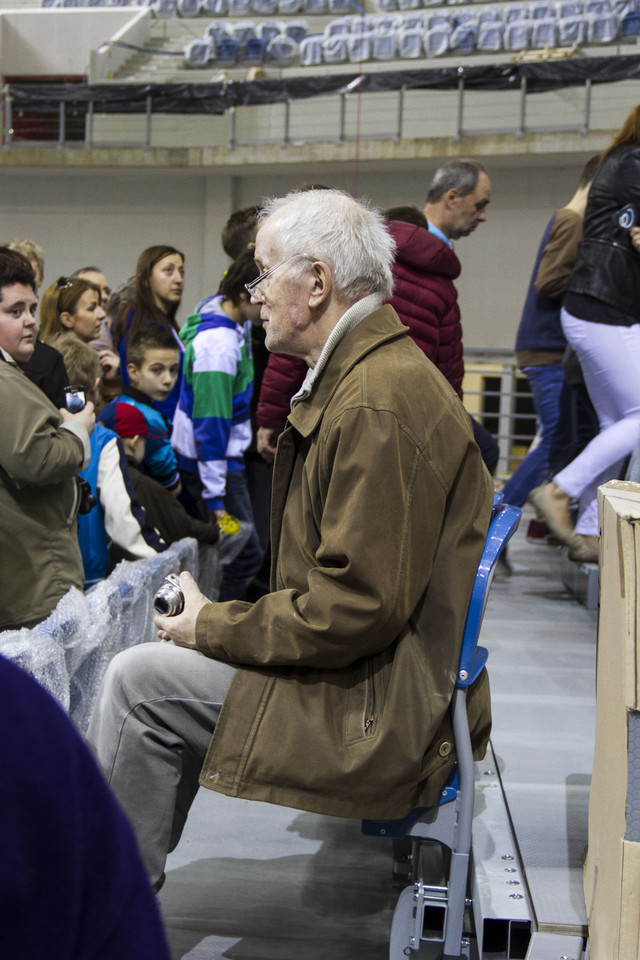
pixel 181 629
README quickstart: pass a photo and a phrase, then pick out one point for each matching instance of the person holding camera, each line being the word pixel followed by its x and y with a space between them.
pixel 337 684
pixel 41 452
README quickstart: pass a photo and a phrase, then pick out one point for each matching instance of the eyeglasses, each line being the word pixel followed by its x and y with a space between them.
pixel 253 286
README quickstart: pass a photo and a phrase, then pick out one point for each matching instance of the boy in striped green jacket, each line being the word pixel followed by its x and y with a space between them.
pixel 211 425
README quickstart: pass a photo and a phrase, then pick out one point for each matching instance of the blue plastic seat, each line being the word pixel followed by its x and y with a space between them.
pixel 544 33
pixel 199 53
pixel 490 36
pixel 283 50
pixel 464 38
pixel 253 52
pixel 448 824
pixel 311 51
pixel 436 40
pixel 227 52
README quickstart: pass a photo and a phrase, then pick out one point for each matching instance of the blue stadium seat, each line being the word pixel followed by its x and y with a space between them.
pixel 253 52
pixel 436 40
pixel 199 53
pixel 227 52
pixel 464 38
pixel 385 44
pixel 410 43
pixel 603 27
pixel 188 8
pixel 283 50
pixel 268 29
pixel 572 30
pixel 334 48
pixel 311 50
pixel 296 29
pixel 490 36
pixel 264 8
pixel 544 33
pixel 517 35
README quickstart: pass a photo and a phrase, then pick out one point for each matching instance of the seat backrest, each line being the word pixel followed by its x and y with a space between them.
pixel 296 29
pixel 268 29
pixel 436 40
pixel 517 35
pixel 282 50
pixel 545 33
pixel 410 45
pixel 503 524
pixel 490 35
pixel 311 51
pixel 602 27
pixel 188 8
pixel 572 29
pixel 198 53
pixel 385 45
pixel 464 38
pixel 335 48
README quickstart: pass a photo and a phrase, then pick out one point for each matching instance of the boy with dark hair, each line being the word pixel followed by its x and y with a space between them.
pixel 239 231
pixel 153 360
pixel 116 517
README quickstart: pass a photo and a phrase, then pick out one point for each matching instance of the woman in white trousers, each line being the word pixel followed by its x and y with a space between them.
pixel 601 321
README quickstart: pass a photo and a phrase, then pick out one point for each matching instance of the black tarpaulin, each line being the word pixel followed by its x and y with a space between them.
pixel 217 98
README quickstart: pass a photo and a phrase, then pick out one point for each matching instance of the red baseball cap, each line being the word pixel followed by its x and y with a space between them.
pixel 129 422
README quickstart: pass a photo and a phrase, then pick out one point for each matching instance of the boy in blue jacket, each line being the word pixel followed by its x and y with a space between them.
pixel 152 366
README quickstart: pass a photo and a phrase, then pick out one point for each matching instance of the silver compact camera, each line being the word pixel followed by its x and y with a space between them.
pixel 169 600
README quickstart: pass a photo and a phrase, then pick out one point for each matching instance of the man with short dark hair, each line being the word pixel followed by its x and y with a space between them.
pixel 457 200
pixel 41 451
pixel 337 684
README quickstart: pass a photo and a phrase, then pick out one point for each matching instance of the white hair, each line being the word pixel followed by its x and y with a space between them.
pixel 348 235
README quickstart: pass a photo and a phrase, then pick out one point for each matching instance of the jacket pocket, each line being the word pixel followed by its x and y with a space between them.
pixel 363 703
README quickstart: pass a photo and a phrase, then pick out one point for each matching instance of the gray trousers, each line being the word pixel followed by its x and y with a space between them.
pixel 151 727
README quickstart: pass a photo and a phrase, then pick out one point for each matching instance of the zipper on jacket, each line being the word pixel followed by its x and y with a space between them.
pixel 370 700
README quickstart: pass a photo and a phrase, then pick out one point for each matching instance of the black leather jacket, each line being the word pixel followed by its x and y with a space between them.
pixel 608 266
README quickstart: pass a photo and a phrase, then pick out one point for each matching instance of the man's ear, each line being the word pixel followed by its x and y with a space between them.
pixel 132 373
pixel 451 196
pixel 322 283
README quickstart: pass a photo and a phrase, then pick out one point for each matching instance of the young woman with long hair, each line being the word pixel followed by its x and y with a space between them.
pixel 159 283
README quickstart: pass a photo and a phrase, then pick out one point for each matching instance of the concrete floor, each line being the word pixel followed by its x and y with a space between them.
pixel 252 881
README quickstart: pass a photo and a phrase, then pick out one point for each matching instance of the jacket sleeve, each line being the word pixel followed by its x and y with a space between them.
pixel 369 567
pixel 124 519
pixel 214 369
pixel 281 380
pixel 168 515
pixel 36 449
pixel 559 256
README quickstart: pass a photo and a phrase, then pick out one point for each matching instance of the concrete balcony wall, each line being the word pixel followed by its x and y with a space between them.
pixel 58 42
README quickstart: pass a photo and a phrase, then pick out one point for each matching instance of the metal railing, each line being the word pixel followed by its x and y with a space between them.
pixel 498 395
pixel 346 116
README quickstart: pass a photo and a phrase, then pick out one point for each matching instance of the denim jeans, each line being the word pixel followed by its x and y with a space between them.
pixel 240 572
pixel 546 385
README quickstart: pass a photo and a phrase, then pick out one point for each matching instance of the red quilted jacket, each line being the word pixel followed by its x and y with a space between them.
pixel 425 298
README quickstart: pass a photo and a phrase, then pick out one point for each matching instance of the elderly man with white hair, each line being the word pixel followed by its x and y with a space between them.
pixel 332 692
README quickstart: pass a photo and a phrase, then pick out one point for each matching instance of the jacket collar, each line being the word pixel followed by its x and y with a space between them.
pixel 379 327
